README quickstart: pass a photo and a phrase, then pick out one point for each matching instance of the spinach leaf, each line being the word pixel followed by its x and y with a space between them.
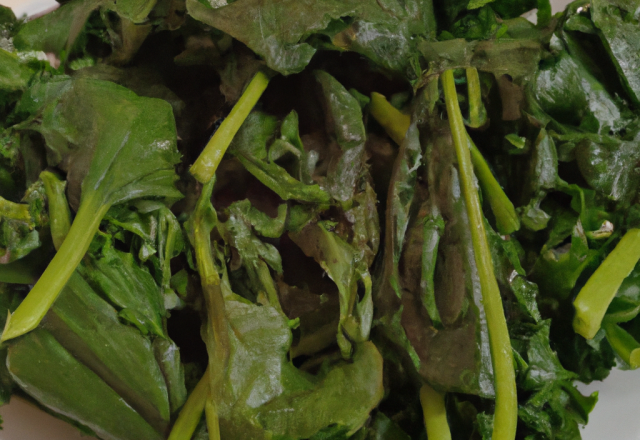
pixel 250 147
pixel 98 129
pixel 278 31
pixel 259 392
pixel 619 32
pixel 73 389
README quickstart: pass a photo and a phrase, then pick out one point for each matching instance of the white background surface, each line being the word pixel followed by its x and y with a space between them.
pixel 616 416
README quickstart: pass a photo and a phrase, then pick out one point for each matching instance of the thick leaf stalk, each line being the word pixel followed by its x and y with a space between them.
pixel 623 344
pixel 59 213
pixel 507 220
pixel 31 311
pixel 15 211
pixel 205 166
pixel 201 224
pixel 594 298
pixel 434 413
pixel 191 412
pixel 394 122
pixel 477 112
pixel 506 411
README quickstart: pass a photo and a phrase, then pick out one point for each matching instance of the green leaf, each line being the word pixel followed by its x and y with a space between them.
pixel 254 253
pixel 518 58
pixel 89 328
pixel 167 355
pixel 250 147
pixel 544 366
pixel 512 8
pixel 541 177
pixel 279 31
pixel 20 224
pixel 475 4
pixel 135 10
pixel 565 84
pixel 619 33
pixel 58 30
pixel 98 129
pixel 265 396
pixel 479 25
pixel 117 276
pixel 301 414
pixel 610 166
pixel 72 389
pixel 344 120
pixel 457 292
pixel 340 262
pixel 13 74
pixel 10 297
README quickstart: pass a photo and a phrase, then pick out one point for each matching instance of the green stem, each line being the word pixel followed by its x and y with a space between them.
pixel 191 412
pixel 213 423
pixel 205 166
pixel 31 311
pixel 506 412
pixel 394 122
pixel 623 344
pixel 507 220
pixel 595 296
pixel 15 211
pixel 396 125
pixel 59 214
pixel 167 242
pixel 435 413
pixel 477 112
pixel 267 282
pixel 203 223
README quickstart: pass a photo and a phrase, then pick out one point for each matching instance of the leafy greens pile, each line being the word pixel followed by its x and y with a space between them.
pixel 278 219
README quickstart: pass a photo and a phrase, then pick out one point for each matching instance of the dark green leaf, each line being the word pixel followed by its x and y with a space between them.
pixel 89 329
pixel 250 146
pixel 71 388
pixel 610 166
pixel 618 23
pixel 344 120
pixel 277 30
pixel 116 275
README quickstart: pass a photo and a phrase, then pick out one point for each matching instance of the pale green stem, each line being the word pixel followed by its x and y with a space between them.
pixel 267 282
pixel 394 122
pixel 623 344
pixel 205 166
pixel 507 220
pixel 59 213
pixel 595 296
pixel 213 423
pixel 435 413
pixel 31 311
pixel 214 300
pixel 396 125
pixel 15 211
pixel 191 412
pixel 477 112
pixel 506 411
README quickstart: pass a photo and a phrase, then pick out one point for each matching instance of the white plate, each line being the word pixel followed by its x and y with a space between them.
pixel 616 416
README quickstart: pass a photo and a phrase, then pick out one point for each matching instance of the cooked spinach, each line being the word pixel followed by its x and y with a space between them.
pixel 319 220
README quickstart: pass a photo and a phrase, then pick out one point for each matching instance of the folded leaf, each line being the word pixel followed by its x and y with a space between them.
pixel 72 389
